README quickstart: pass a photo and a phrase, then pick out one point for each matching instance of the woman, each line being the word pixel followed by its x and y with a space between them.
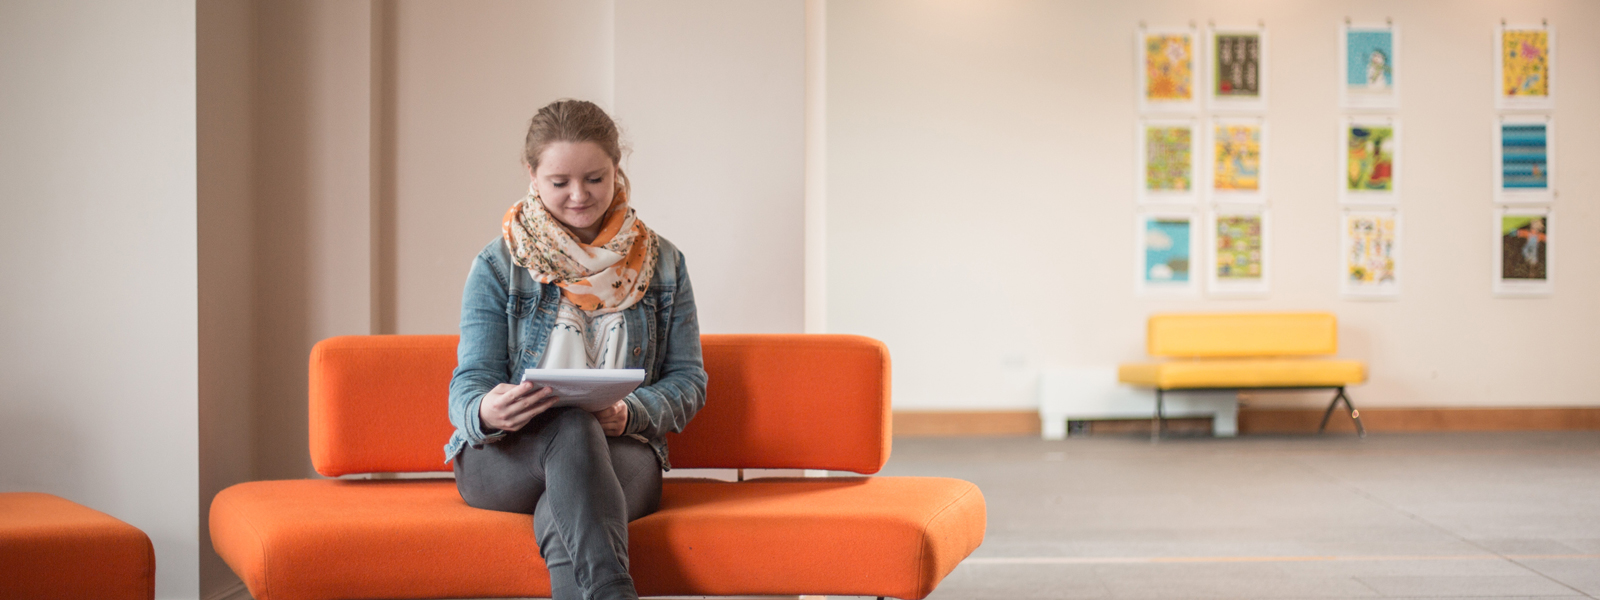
pixel 575 281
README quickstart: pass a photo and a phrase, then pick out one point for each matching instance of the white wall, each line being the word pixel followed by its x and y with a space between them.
pixel 981 211
pixel 98 362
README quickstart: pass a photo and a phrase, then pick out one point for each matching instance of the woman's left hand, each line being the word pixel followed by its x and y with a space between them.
pixel 614 419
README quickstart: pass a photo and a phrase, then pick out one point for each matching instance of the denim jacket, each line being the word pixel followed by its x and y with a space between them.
pixel 506 319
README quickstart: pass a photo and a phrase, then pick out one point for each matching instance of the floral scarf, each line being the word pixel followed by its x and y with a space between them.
pixel 606 276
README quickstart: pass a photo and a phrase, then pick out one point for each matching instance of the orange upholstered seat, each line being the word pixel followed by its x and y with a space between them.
pixel 773 401
pixel 53 548
pixel 885 536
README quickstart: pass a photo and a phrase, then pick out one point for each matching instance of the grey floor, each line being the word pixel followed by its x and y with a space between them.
pixel 1480 515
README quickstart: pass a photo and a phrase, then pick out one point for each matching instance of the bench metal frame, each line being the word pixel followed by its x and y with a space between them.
pixel 1158 426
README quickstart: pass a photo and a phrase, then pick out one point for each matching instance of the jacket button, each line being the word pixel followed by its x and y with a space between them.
pixel 635 350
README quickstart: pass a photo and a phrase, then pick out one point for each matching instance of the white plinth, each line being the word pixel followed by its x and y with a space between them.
pixel 1093 393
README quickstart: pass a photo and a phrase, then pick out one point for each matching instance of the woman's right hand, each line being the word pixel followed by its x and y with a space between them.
pixel 509 407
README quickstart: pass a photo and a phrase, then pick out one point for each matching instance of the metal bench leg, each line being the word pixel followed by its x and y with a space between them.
pixel 1329 413
pixel 1355 415
pixel 1159 423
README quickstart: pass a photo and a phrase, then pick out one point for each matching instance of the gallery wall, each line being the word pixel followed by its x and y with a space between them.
pixel 981 210
pixel 98 363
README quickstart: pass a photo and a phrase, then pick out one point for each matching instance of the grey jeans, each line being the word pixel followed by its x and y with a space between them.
pixel 582 489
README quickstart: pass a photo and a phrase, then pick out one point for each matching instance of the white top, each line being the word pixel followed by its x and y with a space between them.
pixel 582 341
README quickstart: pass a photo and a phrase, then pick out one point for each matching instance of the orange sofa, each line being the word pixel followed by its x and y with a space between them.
pixel 52 548
pixel 773 402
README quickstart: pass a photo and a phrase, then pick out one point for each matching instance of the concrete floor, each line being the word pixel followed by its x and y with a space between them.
pixel 1462 515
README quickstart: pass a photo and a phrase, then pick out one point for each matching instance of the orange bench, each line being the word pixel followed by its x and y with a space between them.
pixel 773 402
pixel 53 548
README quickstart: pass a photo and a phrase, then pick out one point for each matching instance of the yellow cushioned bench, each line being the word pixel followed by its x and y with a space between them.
pixel 1245 351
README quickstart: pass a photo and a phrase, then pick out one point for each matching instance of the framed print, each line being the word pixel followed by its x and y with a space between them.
pixel 1523 251
pixel 1237 164
pixel 1236 60
pixel 1168 245
pixel 1524 60
pixel 1238 254
pixel 1370 267
pixel 1167 68
pixel 1370 153
pixel 1168 151
pixel 1371 74
pixel 1523 156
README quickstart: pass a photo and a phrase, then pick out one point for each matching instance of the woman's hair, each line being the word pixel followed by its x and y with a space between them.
pixel 569 120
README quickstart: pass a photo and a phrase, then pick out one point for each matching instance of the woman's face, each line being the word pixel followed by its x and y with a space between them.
pixel 577 182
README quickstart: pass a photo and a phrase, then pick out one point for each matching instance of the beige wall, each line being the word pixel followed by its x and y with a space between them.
pixel 358 154
pixel 981 210
pixel 712 96
pixel 465 80
pixel 98 363
pixel 311 206
pixel 226 258
pixel 387 147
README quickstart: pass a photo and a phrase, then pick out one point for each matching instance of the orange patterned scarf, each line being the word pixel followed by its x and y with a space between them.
pixel 606 276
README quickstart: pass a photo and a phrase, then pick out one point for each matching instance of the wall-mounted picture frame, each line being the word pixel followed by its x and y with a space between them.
pixel 1168 67
pixel 1167 155
pixel 1524 251
pixel 1369 159
pixel 1524 64
pixel 1236 67
pixel 1236 159
pixel 1370 263
pixel 1238 252
pixel 1524 158
pixel 1370 78
pixel 1168 253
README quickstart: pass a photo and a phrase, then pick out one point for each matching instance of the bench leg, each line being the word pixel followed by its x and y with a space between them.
pixel 1159 422
pixel 1355 415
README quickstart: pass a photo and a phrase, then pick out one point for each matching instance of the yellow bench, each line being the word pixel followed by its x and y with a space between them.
pixel 1258 351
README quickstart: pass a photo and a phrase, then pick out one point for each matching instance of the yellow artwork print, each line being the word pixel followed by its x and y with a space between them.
pixel 1370 250
pixel 1525 63
pixel 1237 149
pixel 1168 68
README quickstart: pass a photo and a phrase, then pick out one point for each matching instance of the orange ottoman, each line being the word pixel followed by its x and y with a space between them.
pixel 51 547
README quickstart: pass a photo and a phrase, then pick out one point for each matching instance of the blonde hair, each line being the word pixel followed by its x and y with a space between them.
pixel 569 120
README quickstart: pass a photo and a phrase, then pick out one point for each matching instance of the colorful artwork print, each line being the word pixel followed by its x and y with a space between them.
pixel 1237 149
pixel 1239 255
pixel 1369 60
pixel 1371 158
pixel 1524 247
pixel 1525 63
pixel 1166 250
pixel 1524 157
pixel 1370 244
pixel 1237 71
pixel 1168 67
pixel 1168 162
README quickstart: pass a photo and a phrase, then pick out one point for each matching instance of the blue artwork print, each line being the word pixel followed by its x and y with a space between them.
pixel 1166 250
pixel 1369 59
pixel 1524 162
